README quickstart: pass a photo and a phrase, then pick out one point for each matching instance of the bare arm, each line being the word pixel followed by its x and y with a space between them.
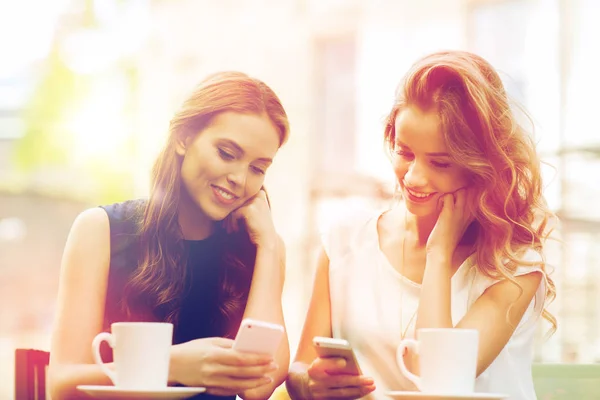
pixel 80 311
pixel 311 377
pixel 80 306
pixel 317 323
pixel 489 313
pixel 264 304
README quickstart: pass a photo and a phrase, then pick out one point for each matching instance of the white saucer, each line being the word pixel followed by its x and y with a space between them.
pixel 111 392
pixel 435 396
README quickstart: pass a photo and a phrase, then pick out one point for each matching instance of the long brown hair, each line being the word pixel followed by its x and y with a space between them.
pixel 157 284
pixel 485 139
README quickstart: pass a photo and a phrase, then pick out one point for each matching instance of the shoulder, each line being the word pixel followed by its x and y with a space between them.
pixel 130 211
pixel 90 233
pixel 124 222
pixel 527 260
pixel 91 221
pixel 528 272
pixel 88 243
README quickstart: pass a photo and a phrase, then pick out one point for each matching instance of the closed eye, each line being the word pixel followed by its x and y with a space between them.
pixel 441 164
pixel 225 155
pixel 257 170
pixel 404 153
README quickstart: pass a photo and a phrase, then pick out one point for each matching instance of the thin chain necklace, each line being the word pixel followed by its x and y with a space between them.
pixel 403 334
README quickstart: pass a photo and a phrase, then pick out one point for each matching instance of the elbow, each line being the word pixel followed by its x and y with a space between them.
pixel 252 395
pixel 61 383
pixel 57 387
pixel 262 393
pixel 56 393
pixel 482 367
pixel 291 390
pixel 265 392
pixel 296 380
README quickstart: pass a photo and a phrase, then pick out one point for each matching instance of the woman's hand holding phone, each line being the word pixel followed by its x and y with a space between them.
pixel 327 380
pixel 214 364
pixel 335 374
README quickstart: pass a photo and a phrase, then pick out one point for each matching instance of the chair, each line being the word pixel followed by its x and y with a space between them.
pixel 566 381
pixel 30 374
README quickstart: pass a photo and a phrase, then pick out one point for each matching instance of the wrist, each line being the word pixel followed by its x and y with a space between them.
pixel 174 365
pixel 268 244
pixel 438 256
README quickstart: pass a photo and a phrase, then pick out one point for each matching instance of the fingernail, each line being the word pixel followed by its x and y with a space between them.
pixel 273 366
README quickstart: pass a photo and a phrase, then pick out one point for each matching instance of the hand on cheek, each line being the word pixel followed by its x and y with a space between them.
pixel 455 216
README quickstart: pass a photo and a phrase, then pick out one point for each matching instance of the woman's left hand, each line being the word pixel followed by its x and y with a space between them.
pixel 454 218
pixel 257 216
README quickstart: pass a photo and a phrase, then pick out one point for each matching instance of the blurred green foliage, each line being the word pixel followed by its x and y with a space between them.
pixel 48 143
pixel 45 142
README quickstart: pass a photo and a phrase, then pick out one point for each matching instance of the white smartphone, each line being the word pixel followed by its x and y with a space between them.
pixel 329 347
pixel 258 337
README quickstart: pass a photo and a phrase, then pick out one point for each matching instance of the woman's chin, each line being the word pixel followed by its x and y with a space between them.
pixel 422 210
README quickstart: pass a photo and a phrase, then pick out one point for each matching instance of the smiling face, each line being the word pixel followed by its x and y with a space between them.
pixel 225 164
pixel 422 165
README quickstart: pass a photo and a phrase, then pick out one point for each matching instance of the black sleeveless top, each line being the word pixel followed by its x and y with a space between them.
pixel 199 315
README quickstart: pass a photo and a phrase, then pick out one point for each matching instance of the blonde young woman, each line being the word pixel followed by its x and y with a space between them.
pixel 463 250
pixel 170 258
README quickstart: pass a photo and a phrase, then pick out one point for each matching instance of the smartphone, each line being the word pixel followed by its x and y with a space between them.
pixel 329 347
pixel 258 337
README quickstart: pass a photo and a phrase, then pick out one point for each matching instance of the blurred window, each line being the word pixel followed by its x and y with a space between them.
pixel 335 103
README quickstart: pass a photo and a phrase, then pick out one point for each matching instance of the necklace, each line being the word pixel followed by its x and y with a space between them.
pixel 403 334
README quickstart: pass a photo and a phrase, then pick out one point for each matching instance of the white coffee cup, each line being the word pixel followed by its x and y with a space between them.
pixel 447 360
pixel 141 353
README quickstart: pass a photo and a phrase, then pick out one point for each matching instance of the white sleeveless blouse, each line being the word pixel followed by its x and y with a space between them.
pixel 366 302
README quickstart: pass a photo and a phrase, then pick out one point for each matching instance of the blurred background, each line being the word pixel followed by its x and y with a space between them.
pixel 87 89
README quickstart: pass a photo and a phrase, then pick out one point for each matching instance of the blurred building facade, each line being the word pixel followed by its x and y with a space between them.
pixel 335 65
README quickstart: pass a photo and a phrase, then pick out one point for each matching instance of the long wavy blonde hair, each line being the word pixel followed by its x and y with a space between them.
pixel 484 138
pixel 154 290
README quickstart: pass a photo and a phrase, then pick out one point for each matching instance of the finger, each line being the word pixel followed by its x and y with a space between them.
pixel 330 363
pixel 440 203
pixel 343 380
pixel 263 196
pixel 322 368
pixel 250 372
pixel 222 342
pixel 239 359
pixel 460 199
pixel 231 386
pixel 446 203
pixel 239 385
pixel 234 217
pixel 347 392
pixel 471 201
pixel 227 224
pixel 221 391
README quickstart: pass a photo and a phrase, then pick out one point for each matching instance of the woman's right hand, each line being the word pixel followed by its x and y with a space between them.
pixel 327 380
pixel 212 363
